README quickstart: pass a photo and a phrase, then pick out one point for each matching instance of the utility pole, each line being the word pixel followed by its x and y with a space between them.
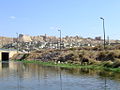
pixel 60 38
pixel 108 42
pixel 103 30
pixel 45 38
pixel 2 41
pixel 17 42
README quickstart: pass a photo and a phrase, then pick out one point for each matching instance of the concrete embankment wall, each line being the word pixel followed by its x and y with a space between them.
pixel 10 53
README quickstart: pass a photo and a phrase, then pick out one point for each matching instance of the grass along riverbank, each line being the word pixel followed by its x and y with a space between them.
pixel 94 58
pixel 96 67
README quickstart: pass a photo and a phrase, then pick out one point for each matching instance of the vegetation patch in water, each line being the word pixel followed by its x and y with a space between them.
pixel 97 67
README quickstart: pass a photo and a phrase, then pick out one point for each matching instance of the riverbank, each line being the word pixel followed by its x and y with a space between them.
pixel 95 67
pixel 75 57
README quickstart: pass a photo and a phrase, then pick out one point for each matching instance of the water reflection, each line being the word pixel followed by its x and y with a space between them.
pixel 4 65
pixel 60 79
pixel 27 76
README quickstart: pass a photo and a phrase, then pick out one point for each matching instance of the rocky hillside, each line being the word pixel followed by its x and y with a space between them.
pixel 30 43
pixel 6 40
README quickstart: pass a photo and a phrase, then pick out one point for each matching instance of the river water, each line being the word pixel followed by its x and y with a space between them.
pixel 28 76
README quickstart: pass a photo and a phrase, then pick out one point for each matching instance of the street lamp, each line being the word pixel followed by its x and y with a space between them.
pixel 60 38
pixel 103 30
pixel 17 42
pixel 2 41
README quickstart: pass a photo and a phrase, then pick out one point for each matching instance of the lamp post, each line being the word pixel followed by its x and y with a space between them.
pixel 60 38
pixel 2 41
pixel 103 30
pixel 17 42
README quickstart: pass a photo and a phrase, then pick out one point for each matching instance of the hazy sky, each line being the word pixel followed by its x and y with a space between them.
pixel 73 17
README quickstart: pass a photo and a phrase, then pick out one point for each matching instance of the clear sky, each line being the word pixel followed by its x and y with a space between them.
pixel 73 17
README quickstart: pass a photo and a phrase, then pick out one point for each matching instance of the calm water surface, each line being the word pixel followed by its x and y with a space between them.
pixel 22 76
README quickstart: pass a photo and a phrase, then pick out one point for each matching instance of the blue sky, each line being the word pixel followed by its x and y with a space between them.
pixel 73 17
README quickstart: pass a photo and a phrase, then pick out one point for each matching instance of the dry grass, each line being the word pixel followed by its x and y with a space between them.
pixel 107 63
pixel 94 55
pixel 116 63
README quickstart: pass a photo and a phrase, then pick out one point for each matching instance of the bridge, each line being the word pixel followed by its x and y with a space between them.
pixel 6 54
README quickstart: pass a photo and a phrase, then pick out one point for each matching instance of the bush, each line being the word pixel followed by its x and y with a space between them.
pixel 72 49
pixel 110 56
pixel 107 55
pixel 117 47
pixel 94 62
pixel 116 64
pixel 101 56
pixel 98 48
pixel 107 64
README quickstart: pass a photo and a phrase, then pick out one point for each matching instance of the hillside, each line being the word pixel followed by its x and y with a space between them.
pixel 30 43
pixel 6 40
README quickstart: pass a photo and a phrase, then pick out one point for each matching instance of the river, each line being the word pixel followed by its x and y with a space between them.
pixel 29 76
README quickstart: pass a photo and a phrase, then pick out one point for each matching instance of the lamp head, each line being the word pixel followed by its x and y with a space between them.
pixel 102 18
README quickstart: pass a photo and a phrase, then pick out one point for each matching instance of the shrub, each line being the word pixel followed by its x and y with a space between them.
pixel 98 48
pixel 94 62
pixel 106 55
pixel 72 49
pixel 110 56
pixel 116 63
pixel 117 53
pixel 117 47
pixel 107 64
pixel 101 56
